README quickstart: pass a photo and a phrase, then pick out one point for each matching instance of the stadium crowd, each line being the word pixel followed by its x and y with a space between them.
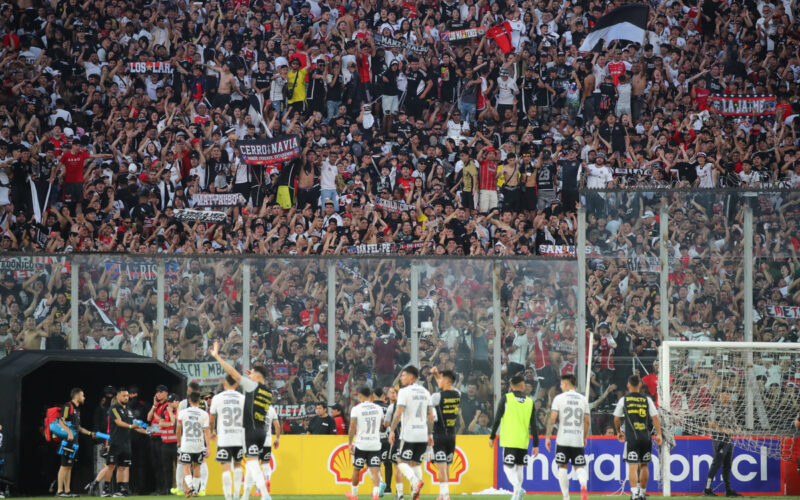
pixel 409 145
pixel 114 119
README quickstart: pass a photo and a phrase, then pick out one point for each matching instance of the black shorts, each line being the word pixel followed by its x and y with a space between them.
pixel 68 462
pixel 254 440
pixel 467 200
pixel 118 455
pixel 515 456
pixel 386 450
pixel 191 458
pixel 412 452
pixel 228 453
pixel 362 458
pixel 570 454
pixel 266 454
pixel 444 447
pixel 73 192
pixel 638 452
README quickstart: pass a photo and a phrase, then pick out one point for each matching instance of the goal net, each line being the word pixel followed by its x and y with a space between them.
pixel 745 392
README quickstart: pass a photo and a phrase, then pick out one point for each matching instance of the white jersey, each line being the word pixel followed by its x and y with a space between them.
pixel 193 422
pixel 571 408
pixel 228 407
pixel 416 401
pixel 272 416
pixel 368 418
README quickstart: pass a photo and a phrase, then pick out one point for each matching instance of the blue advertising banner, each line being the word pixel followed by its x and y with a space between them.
pixel 689 464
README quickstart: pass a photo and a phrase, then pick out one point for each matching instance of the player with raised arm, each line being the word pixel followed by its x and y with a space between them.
pixel 179 474
pixel 637 411
pixel 516 419
pixel 447 404
pixel 273 425
pixel 413 409
pixel 193 438
pixel 365 441
pixel 571 410
pixel 257 401
pixel 227 409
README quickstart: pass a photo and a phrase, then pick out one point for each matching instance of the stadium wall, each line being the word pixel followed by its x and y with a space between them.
pixel 321 465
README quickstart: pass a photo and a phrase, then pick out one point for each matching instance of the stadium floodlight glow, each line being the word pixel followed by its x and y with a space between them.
pixel 740 386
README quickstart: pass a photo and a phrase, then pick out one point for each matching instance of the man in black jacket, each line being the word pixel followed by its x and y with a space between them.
pixel 322 423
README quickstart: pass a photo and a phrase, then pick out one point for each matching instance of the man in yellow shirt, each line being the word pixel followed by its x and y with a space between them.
pixel 297 85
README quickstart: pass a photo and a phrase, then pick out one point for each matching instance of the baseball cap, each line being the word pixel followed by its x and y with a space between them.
pixel 173 398
pixel 109 389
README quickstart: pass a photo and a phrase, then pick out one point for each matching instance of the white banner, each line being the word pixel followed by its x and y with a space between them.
pixel 789 312
pixel 205 373
pixel 189 215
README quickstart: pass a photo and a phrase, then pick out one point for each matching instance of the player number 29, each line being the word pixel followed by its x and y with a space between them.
pixel 573 417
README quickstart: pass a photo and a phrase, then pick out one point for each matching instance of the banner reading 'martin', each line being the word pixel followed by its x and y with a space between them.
pixel 270 151
pixel 628 22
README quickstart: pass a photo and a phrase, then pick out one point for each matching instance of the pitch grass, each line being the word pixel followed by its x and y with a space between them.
pixel 575 496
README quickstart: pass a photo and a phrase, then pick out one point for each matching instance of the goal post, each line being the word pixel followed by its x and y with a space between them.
pixel 743 386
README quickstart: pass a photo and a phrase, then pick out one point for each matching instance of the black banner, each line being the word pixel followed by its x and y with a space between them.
pixel 270 151
pixel 743 105
pixel 387 42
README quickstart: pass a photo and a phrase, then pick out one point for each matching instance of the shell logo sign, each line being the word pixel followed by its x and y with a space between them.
pixel 340 464
pixel 458 468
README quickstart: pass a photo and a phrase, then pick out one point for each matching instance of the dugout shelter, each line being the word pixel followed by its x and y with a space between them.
pixel 32 381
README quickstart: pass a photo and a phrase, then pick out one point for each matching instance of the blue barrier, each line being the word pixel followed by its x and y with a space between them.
pixel 689 464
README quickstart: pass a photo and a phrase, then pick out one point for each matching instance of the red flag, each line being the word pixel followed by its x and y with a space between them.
pixel 501 34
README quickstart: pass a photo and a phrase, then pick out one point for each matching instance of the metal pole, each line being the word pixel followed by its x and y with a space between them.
pixel 160 311
pixel 414 327
pixel 663 259
pixel 246 315
pixel 580 320
pixel 665 401
pixel 497 342
pixel 331 332
pixel 74 335
pixel 748 307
